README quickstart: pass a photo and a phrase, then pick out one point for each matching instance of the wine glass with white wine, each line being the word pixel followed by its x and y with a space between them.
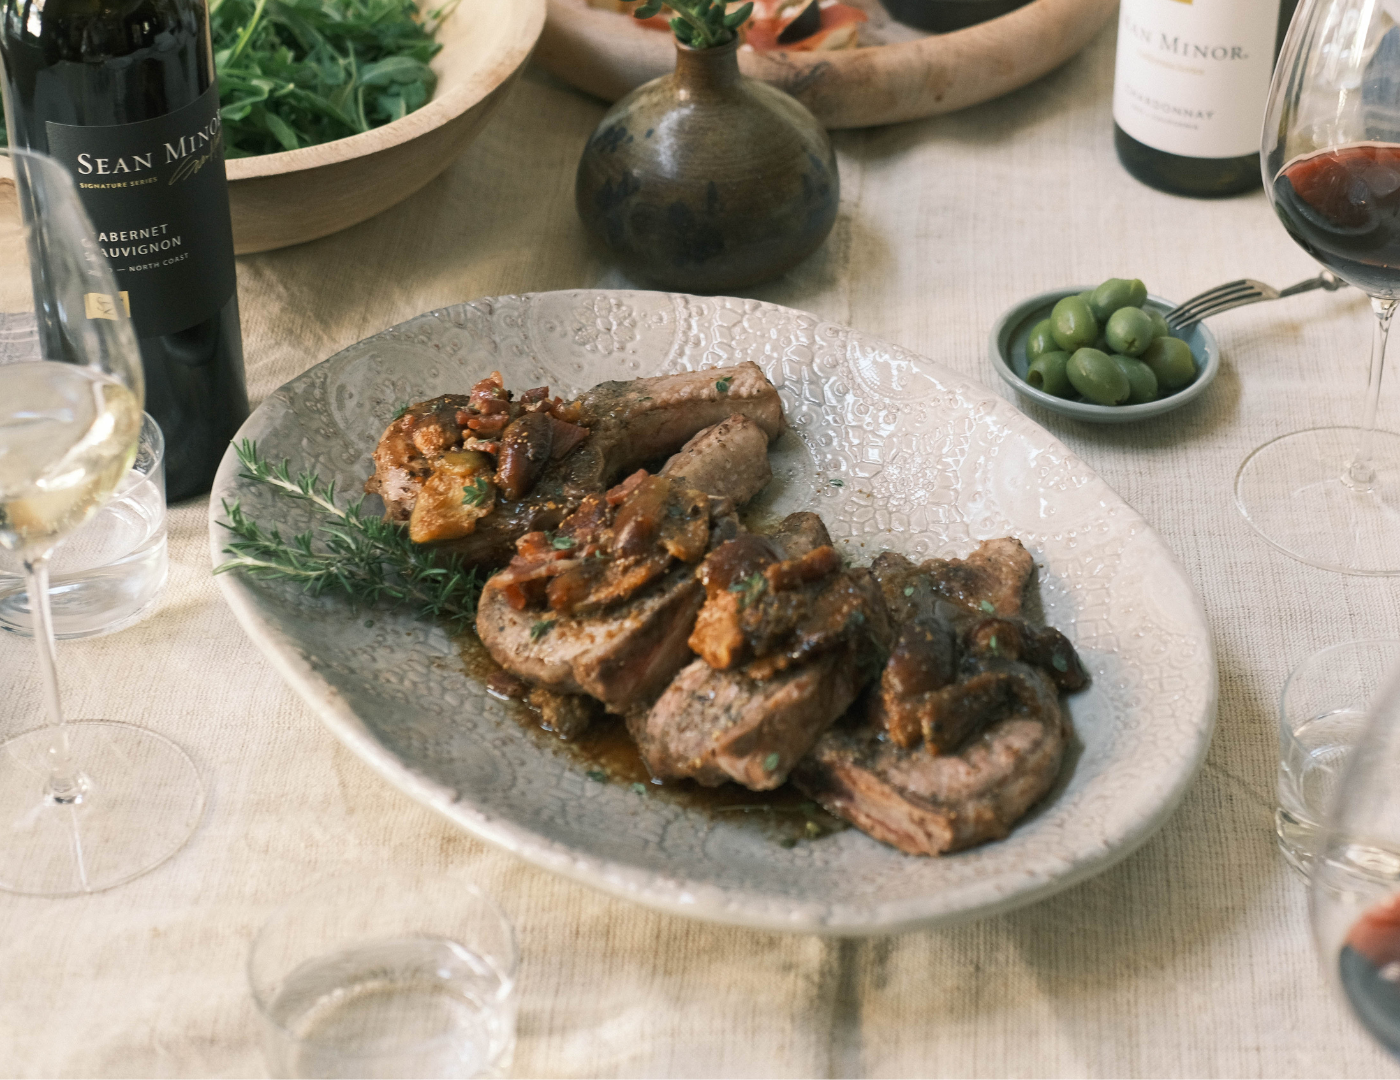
pixel 88 804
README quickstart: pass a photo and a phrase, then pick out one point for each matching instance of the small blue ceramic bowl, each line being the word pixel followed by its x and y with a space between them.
pixel 1008 352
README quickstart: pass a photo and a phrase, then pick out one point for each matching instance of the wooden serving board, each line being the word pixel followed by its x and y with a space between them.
pixel 902 75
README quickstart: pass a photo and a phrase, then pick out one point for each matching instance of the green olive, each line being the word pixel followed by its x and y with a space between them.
pixel 1129 331
pixel 1109 297
pixel 1171 361
pixel 1140 379
pixel 1137 293
pixel 1040 342
pixel 1159 323
pixel 1072 324
pixel 1085 297
pixel 1098 377
pixel 1047 372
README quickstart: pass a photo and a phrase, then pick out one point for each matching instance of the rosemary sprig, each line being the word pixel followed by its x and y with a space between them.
pixel 360 555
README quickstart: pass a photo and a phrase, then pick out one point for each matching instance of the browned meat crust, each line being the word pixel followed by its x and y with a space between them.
pixel 991 580
pixel 567 715
pixel 729 459
pixel 715 726
pixel 926 804
pixel 623 657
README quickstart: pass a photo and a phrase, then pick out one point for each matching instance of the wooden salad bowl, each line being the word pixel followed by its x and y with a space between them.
pixel 300 195
pixel 609 55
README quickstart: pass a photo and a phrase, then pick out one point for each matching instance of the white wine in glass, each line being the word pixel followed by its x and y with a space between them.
pixel 84 805
pixel 1330 495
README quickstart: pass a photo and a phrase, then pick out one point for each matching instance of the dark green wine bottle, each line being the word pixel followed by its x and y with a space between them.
pixel 122 93
pixel 1189 91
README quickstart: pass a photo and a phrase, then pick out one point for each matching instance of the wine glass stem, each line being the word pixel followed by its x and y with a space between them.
pixel 66 784
pixel 1360 475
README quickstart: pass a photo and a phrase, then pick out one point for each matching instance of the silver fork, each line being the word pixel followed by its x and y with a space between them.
pixel 1239 293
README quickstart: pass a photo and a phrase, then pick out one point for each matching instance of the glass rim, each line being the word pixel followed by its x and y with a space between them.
pixel 508 970
pixel 1301 667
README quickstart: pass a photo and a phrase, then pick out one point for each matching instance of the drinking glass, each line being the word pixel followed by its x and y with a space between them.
pixel 1356 876
pixel 1322 713
pixel 108 574
pixel 1330 496
pixel 84 805
pixel 387 974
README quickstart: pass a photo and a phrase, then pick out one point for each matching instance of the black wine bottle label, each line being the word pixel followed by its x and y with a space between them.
pixel 158 199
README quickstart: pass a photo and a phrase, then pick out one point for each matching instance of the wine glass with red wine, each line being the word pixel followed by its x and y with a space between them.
pixel 1330 495
pixel 1356 876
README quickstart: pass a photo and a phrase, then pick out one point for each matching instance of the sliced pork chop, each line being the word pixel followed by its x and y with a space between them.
pixel 991 580
pixel 641 420
pixel 623 657
pixel 714 726
pixel 785 647
pixel 927 804
pixel 729 459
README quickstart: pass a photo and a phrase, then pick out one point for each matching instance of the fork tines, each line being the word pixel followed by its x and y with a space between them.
pixel 1221 298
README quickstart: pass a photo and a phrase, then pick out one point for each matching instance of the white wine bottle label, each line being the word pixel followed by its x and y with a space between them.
pixel 158 199
pixel 1193 76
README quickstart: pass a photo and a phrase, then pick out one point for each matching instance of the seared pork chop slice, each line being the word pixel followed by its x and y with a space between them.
pixel 926 804
pixel 785 646
pixel 715 726
pixel 603 606
pixel 991 580
pixel 623 657
pixel 729 459
pixel 644 419
pixel 943 675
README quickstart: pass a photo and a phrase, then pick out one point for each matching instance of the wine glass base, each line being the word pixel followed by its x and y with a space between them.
pixel 142 800
pixel 1291 491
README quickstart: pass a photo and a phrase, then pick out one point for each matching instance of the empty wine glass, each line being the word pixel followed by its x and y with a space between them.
pixel 1356 876
pixel 1330 496
pixel 88 804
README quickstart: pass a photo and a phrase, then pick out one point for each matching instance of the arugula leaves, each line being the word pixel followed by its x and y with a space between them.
pixel 296 73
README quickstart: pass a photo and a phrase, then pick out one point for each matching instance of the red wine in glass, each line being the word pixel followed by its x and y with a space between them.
pixel 1343 207
pixel 1370 971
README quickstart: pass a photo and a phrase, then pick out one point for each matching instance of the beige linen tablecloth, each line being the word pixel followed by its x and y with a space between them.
pixel 1192 957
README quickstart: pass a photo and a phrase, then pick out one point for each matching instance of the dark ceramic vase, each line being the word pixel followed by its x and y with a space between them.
pixel 707 181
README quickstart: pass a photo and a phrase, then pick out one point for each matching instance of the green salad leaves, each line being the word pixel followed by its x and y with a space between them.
pixel 296 73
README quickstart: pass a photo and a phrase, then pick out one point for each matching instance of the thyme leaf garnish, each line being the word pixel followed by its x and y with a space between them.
pixel 750 589
pixel 477 492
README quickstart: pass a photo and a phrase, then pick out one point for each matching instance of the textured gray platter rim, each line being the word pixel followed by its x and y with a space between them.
pixel 1001 347
pixel 1151 723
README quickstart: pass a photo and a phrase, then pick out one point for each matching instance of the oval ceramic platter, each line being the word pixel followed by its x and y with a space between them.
pixel 928 463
